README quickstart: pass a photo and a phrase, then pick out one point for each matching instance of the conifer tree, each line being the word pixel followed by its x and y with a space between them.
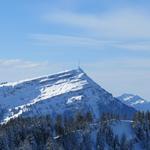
pixel 58 125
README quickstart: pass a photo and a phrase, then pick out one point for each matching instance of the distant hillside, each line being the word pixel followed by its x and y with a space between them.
pixel 135 101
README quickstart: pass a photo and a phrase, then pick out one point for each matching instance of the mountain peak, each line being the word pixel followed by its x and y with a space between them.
pixel 135 101
pixel 65 92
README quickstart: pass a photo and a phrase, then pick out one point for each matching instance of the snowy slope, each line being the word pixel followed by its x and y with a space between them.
pixel 63 93
pixel 135 101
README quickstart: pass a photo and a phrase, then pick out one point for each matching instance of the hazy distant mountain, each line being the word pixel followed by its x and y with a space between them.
pixel 135 101
pixel 64 93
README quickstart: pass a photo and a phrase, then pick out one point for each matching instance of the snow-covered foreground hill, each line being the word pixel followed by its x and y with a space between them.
pixel 135 101
pixel 64 93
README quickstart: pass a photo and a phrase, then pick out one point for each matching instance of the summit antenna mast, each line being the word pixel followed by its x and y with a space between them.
pixel 79 63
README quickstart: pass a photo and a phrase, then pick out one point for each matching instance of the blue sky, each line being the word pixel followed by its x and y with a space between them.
pixel 110 38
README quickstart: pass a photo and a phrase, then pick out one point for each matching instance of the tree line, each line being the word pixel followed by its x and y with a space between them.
pixel 72 133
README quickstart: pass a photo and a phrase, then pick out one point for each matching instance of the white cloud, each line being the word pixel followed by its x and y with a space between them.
pixel 64 41
pixel 18 63
pixel 17 69
pixel 125 23
pixel 67 40
pixel 126 29
pixel 135 46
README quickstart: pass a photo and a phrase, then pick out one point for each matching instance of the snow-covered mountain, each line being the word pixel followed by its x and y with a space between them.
pixel 63 93
pixel 135 101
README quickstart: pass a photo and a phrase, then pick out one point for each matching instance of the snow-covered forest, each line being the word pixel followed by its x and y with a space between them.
pixel 81 132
